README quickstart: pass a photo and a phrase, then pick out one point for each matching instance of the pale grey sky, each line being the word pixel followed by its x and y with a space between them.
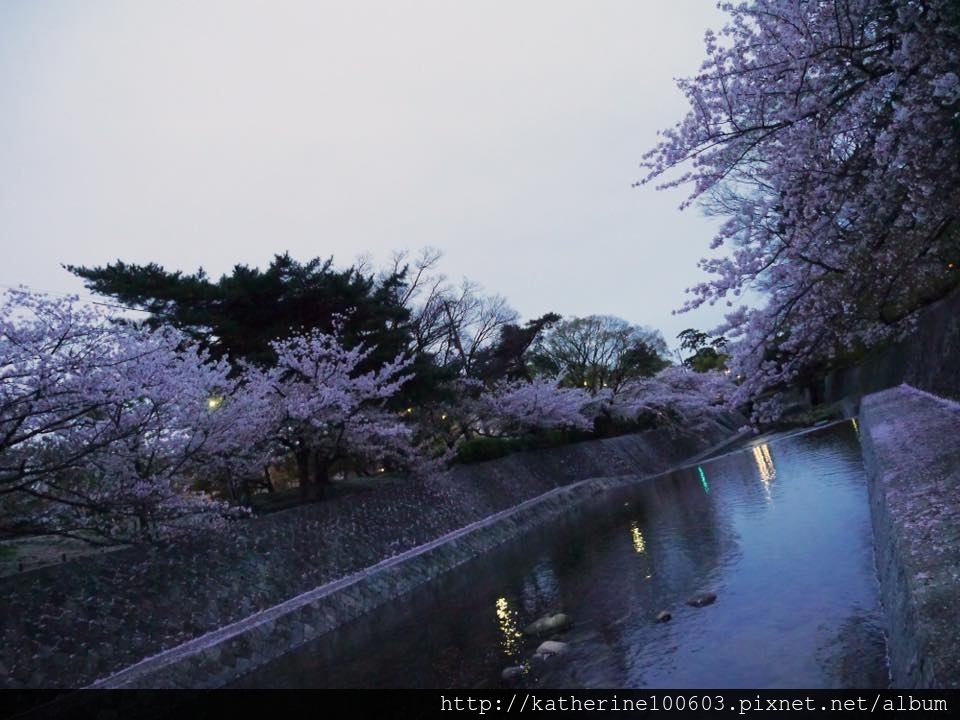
pixel 505 133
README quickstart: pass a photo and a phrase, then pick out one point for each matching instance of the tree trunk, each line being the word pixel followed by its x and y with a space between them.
pixel 143 525
pixel 267 480
pixel 321 473
pixel 303 473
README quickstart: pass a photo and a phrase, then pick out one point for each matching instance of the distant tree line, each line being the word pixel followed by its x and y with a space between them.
pixel 119 430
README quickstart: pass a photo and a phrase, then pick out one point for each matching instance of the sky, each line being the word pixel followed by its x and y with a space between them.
pixel 505 133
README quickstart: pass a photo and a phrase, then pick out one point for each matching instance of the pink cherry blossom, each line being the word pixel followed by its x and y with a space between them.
pixel 512 408
pixel 105 425
pixel 826 133
pixel 321 408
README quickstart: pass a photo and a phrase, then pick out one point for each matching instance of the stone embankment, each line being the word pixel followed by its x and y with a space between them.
pixel 203 611
pixel 912 458
pixel 929 359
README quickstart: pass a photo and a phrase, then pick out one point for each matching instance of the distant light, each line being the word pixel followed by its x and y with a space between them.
pixel 214 402
pixel 443 417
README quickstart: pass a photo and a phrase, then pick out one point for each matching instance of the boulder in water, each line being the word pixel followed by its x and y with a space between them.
pixel 550 648
pixel 548 624
pixel 702 599
pixel 663 616
pixel 512 673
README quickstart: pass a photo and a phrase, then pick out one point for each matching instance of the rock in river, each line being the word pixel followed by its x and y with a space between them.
pixel 551 648
pixel 663 616
pixel 548 624
pixel 512 673
pixel 702 599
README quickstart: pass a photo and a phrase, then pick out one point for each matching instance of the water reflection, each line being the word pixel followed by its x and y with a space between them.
pixel 639 543
pixel 765 467
pixel 764 460
pixel 510 634
pixel 540 588
pixel 796 590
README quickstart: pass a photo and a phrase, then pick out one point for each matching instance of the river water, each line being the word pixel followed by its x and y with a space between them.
pixel 779 530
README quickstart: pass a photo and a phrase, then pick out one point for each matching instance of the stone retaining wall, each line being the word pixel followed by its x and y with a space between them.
pixel 912 458
pixel 928 359
pixel 87 619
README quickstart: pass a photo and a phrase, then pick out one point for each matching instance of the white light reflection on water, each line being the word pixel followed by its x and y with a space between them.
pixel 765 467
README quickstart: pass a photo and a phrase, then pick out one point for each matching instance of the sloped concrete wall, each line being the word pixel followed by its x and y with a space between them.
pixel 912 455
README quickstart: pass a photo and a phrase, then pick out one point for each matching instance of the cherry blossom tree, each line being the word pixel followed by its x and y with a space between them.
pixel 49 353
pixel 105 425
pixel 827 134
pixel 519 407
pixel 674 397
pixel 323 410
